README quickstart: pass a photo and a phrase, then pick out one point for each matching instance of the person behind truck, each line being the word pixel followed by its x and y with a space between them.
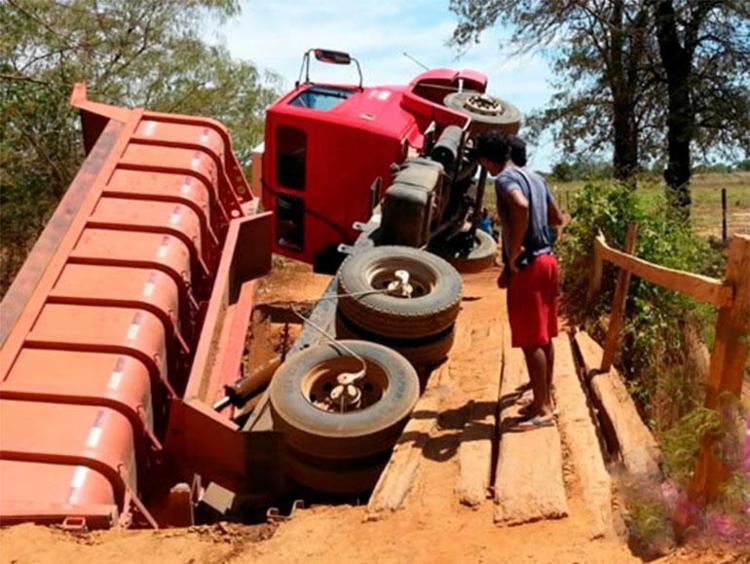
pixel 530 273
pixel 485 221
pixel 517 150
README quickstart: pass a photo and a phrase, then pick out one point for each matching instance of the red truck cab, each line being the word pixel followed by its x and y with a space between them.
pixel 329 151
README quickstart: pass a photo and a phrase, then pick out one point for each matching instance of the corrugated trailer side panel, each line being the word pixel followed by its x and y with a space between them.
pixel 101 325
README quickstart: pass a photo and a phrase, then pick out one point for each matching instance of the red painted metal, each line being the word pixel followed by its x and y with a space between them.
pixel 47 495
pixel 152 290
pixel 156 217
pixel 129 331
pixel 117 381
pixel 103 329
pixel 141 250
pixel 94 437
pixel 351 145
pixel 166 187
pixel 200 440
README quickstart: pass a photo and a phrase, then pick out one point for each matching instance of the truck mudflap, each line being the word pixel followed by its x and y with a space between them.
pixel 109 361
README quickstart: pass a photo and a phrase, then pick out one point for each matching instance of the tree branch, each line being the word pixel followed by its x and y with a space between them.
pixel 23 78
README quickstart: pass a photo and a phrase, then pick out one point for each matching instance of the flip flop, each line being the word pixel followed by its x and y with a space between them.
pixel 526 407
pixel 536 422
pixel 526 399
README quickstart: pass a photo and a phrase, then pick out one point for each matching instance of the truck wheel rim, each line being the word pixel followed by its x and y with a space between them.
pixel 320 381
pixel 483 104
pixel 422 280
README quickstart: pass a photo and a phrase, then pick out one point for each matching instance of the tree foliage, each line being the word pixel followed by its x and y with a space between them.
pixel 654 357
pixel 130 52
pixel 704 48
pixel 612 87
pixel 578 169
pixel 599 52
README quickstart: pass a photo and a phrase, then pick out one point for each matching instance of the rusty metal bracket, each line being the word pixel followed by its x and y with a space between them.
pixel 273 515
pixel 75 524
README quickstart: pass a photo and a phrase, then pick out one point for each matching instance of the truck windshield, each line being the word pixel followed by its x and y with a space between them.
pixel 320 98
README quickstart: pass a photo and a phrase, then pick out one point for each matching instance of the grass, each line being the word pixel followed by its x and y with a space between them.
pixel 651 533
pixel 705 192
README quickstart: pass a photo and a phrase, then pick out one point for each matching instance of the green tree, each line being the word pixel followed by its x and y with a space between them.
pixel 705 54
pixel 130 52
pixel 599 53
pixel 568 171
pixel 644 77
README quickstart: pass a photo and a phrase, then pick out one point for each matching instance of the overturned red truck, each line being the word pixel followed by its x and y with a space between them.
pixel 334 152
pixel 124 392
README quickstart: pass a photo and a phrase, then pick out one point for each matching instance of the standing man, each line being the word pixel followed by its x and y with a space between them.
pixel 531 273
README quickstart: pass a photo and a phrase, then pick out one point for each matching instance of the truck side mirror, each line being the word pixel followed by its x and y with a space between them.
pixel 326 56
pixel 334 57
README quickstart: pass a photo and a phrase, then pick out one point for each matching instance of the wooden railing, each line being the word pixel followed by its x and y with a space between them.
pixel 729 356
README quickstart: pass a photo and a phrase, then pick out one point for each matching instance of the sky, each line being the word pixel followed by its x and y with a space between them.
pixel 274 34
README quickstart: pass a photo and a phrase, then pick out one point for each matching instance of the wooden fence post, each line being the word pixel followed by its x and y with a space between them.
pixel 595 282
pixel 729 359
pixel 618 304
pixel 724 234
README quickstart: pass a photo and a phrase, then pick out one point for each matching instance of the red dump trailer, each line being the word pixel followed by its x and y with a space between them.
pixel 109 333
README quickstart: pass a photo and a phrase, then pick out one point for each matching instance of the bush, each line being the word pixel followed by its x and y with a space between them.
pixel 649 527
pixel 653 355
pixel 568 171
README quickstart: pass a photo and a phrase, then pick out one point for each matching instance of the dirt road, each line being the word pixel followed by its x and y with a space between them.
pixel 433 527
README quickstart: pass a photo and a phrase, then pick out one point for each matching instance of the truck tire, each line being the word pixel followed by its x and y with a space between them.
pixel 336 477
pixel 432 308
pixel 481 256
pixel 421 353
pixel 390 391
pixel 486 112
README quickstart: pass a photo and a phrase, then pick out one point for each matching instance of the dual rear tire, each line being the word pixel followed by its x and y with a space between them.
pixel 421 353
pixel 421 326
pixel 479 257
pixel 342 449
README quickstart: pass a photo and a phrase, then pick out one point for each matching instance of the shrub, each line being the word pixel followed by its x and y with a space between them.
pixel 653 352
pixel 649 526
pixel 566 171
pixel 655 359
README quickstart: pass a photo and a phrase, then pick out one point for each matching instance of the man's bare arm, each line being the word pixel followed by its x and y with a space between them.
pixel 519 223
pixel 554 215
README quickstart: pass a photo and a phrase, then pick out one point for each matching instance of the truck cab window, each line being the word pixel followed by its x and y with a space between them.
pixel 321 98
pixel 291 150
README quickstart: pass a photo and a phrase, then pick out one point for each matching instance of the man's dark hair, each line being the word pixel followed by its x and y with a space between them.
pixel 493 145
pixel 517 150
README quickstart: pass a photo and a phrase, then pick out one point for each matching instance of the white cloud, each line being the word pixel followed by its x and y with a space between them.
pixel 275 34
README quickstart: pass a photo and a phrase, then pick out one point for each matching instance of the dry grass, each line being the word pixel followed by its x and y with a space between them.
pixel 705 191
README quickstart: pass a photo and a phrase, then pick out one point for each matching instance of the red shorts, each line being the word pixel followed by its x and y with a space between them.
pixel 533 299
